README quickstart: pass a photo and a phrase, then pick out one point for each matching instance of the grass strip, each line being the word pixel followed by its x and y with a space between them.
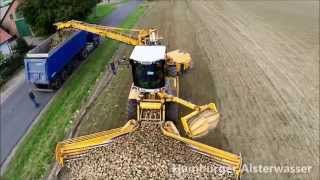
pixel 35 154
pixel 99 12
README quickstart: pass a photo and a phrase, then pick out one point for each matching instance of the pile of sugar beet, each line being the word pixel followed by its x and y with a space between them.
pixel 59 37
pixel 145 154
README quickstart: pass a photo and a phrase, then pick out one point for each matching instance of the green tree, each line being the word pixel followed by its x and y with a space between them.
pixel 21 47
pixel 42 14
pixel 2 58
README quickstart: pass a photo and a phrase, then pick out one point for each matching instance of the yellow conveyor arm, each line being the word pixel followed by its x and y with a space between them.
pixel 144 36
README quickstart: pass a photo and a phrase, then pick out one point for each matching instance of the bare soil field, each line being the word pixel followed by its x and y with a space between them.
pixel 110 108
pixel 258 61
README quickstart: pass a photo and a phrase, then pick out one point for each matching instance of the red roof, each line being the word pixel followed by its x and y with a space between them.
pixel 4 36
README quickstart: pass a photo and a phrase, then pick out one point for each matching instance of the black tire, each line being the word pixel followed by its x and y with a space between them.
pixel 132 109
pixel 182 69
pixel 75 63
pixel 172 109
pixel 172 71
pixel 64 75
pixel 56 84
pixel 172 112
pixel 96 43
pixel 69 68
pixel 84 54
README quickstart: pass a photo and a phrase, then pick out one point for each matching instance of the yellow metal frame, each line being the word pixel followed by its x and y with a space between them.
pixel 223 157
pixel 150 105
pixel 179 58
pixel 196 111
pixel 185 120
pixel 112 32
pixel 76 146
pixel 182 60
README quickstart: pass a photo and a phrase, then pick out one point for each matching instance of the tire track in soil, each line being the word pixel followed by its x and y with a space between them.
pixel 261 105
pixel 265 80
pixel 262 80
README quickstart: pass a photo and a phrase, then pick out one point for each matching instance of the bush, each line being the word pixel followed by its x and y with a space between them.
pixel 10 64
pixel 2 58
pixel 22 47
pixel 41 15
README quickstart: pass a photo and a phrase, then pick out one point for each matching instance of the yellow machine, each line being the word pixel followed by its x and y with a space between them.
pixel 154 96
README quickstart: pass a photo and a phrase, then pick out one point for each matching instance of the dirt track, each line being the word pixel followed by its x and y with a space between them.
pixel 261 70
pixel 264 77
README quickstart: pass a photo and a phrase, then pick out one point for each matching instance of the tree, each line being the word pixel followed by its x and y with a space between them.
pixel 2 58
pixel 21 47
pixel 42 14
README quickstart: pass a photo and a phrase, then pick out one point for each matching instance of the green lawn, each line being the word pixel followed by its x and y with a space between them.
pixel 99 12
pixel 36 153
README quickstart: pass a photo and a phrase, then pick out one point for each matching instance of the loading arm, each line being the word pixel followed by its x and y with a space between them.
pixel 144 36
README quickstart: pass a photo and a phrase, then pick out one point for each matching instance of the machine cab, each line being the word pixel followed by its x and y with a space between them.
pixel 147 64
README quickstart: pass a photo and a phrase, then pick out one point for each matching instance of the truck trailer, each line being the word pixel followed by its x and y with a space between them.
pixel 50 63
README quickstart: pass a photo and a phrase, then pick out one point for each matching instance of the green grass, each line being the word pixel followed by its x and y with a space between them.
pixel 133 18
pixel 99 12
pixel 35 154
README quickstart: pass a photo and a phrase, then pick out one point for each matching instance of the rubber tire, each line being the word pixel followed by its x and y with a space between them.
pixel 76 62
pixel 56 84
pixel 132 109
pixel 64 75
pixel 172 71
pixel 182 69
pixel 172 112
pixel 172 109
pixel 96 43
pixel 69 68
pixel 84 54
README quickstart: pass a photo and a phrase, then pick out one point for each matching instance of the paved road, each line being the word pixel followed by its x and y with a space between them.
pixel 18 112
pixel 122 11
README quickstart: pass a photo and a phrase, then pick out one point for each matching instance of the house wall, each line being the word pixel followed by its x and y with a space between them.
pixel 5 49
pixel 3 11
pixel 9 22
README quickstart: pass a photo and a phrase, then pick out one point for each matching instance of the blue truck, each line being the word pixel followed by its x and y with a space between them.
pixel 50 63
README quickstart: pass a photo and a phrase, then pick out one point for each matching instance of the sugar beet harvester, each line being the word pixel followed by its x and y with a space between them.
pixel 153 97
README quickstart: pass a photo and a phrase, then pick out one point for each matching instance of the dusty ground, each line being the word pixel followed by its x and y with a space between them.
pixel 110 109
pixel 257 60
